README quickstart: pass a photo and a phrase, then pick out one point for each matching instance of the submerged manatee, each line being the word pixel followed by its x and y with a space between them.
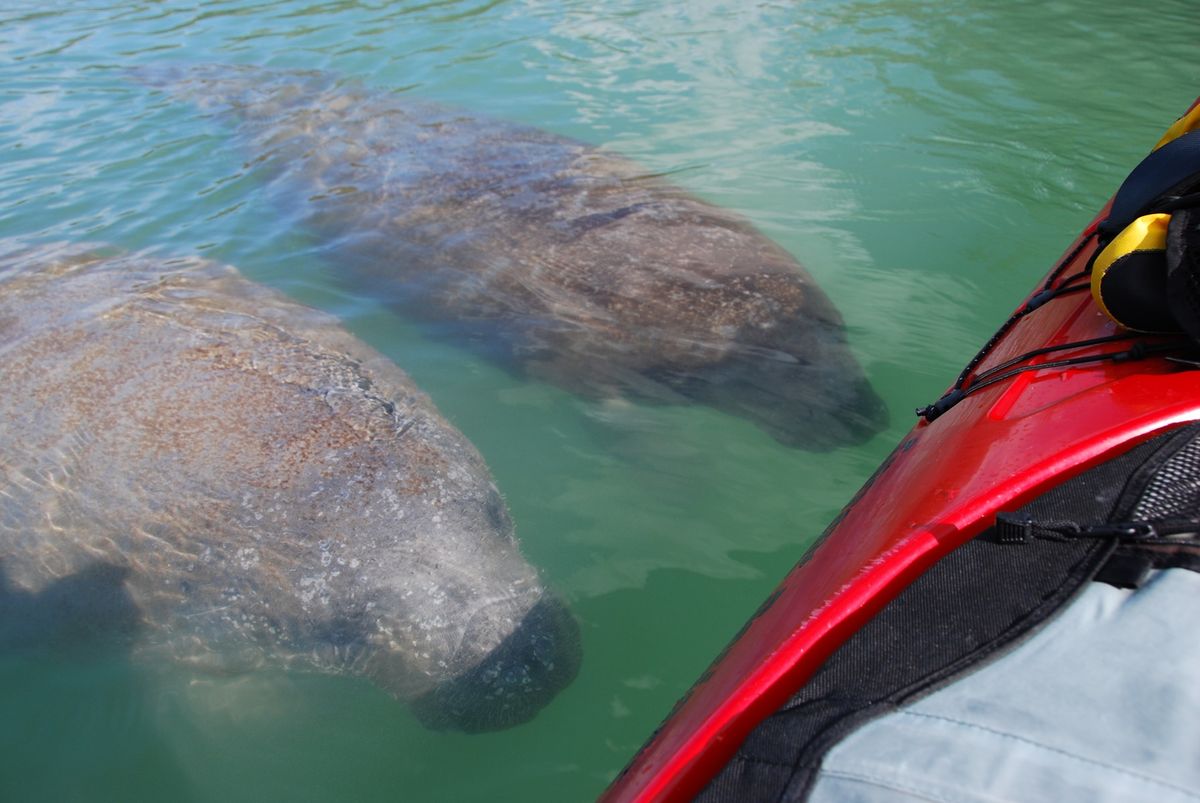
pixel 559 258
pixel 227 477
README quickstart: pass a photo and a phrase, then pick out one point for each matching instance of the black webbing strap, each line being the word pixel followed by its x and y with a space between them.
pixel 1172 170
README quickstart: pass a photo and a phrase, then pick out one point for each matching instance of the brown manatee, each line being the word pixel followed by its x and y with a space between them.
pixel 229 478
pixel 557 257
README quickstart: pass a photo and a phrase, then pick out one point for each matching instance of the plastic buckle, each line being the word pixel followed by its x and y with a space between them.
pixel 1013 531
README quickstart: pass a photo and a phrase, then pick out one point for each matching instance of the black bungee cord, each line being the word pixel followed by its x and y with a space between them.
pixel 1051 289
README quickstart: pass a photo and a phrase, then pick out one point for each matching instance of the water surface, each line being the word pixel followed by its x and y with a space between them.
pixel 925 162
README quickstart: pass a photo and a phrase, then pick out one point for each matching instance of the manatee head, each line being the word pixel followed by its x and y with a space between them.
pixel 422 588
pixel 462 626
pixel 513 681
pixel 709 309
pixel 798 391
pixel 792 372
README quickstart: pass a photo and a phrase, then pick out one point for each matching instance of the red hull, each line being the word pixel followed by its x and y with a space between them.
pixel 995 450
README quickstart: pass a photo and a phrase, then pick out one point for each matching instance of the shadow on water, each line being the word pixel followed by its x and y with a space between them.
pixel 78 713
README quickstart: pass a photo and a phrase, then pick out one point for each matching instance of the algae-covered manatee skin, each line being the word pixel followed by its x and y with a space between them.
pixel 196 464
pixel 561 260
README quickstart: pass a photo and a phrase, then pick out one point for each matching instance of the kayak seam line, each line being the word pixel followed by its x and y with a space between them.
pixel 889 784
pixel 1003 734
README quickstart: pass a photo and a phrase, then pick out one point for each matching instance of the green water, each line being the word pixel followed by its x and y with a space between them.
pixel 925 161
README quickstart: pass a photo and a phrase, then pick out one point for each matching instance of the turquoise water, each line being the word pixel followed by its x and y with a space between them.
pixel 925 162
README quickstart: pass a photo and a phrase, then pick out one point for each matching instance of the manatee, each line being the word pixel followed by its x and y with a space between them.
pixel 564 261
pixel 197 467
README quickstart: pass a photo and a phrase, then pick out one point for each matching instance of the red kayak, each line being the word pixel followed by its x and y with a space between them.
pixel 1060 389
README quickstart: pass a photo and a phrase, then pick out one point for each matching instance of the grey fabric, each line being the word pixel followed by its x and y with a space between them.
pixel 1103 704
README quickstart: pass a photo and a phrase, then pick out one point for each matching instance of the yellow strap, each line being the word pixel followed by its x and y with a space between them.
pixel 1147 233
pixel 1189 122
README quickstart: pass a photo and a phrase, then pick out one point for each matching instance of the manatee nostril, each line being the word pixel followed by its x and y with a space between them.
pixel 536 661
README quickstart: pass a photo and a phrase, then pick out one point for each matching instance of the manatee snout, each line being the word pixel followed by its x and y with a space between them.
pixel 806 393
pixel 857 415
pixel 533 663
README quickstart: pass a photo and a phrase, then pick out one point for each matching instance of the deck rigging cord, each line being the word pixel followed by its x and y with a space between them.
pixel 1145 268
pixel 965 385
